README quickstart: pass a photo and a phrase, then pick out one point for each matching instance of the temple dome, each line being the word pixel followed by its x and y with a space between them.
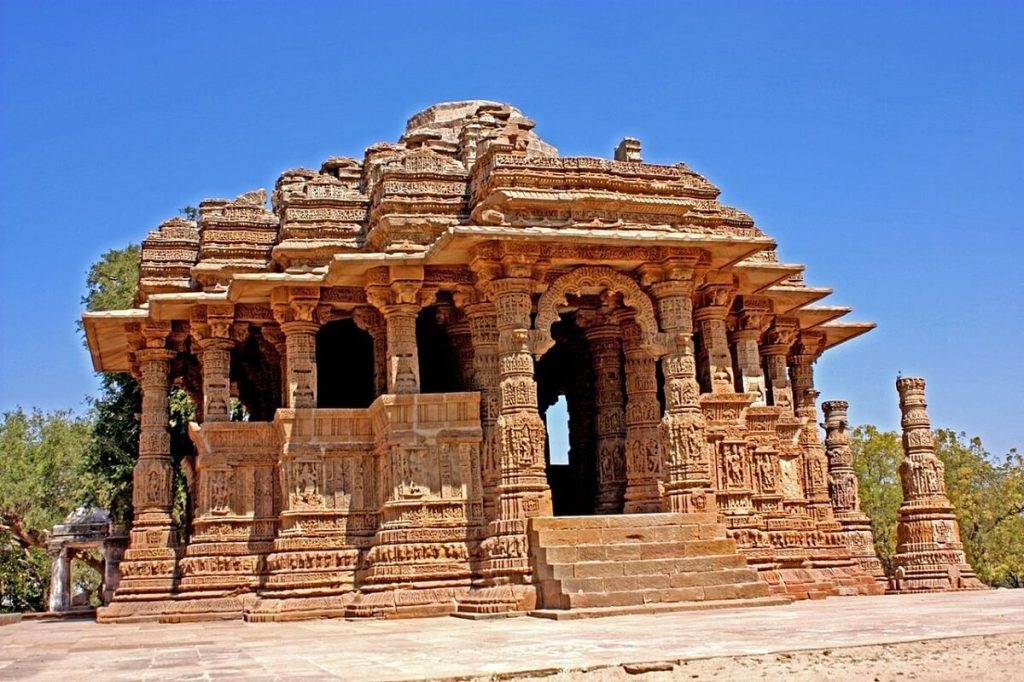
pixel 447 121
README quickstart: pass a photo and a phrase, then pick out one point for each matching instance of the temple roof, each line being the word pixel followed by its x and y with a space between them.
pixel 461 173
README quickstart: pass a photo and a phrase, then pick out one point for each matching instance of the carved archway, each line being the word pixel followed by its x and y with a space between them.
pixel 590 278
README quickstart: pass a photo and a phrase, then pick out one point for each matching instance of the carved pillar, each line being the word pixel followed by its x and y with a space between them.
pixel 749 325
pixel 60 579
pixel 397 296
pixel 295 310
pixel 687 459
pixel 461 337
pixel 805 353
pixel 778 340
pixel 711 318
pixel 643 445
pixel 215 344
pixel 372 322
pixel 151 562
pixel 843 490
pixel 483 328
pixel 605 340
pixel 522 488
pixel 929 553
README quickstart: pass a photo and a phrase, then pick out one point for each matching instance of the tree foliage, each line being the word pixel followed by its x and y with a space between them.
pixel 988 497
pixel 41 462
pixel 113 280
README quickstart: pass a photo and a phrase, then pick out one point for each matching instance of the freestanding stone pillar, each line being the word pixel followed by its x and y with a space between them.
pixel 60 579
pixel 688 474
pixel 929 553
pixel 843 490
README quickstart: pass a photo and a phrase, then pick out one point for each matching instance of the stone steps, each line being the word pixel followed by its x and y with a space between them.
pixel 621 563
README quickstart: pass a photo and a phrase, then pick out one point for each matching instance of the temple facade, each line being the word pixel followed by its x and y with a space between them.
pixel 393 330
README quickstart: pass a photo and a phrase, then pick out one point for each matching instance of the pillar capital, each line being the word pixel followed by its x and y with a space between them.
pixel 780 337
pixel 294 304
pixel 714 300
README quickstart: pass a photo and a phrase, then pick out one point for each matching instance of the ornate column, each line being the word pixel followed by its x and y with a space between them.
pixel 687 457
pixel 397 295
pixel 929 553
pixel 843 490
pixel 372 322
pixel 150 563
pixel 461 336
pixel 715 300
pixel 643 445
pixel 752 319
pixel 483 329
pixel 215 344
pixel 777 342
pixel 60 579
pixel 522 489
pixel 805 353
pixel 295 310
pixel 605 339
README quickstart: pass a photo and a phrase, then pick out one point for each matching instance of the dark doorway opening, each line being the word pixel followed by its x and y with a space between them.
pixel 256 376
pixel 344 366
pixel 439 367
pixel 565 375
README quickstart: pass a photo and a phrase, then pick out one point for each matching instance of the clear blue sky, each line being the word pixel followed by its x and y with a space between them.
pixel 882 144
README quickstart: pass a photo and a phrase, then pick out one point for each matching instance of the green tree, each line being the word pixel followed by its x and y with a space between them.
pixel 112 284
pixel 988 497
pixel 876 460
pixel 113 280
pixel 41 456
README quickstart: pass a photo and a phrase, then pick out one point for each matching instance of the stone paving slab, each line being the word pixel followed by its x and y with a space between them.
pixel 436 648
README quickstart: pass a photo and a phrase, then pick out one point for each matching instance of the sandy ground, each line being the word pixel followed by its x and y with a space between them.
pixel 989 658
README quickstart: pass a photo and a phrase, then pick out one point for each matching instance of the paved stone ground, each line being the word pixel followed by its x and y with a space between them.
pixel 448 647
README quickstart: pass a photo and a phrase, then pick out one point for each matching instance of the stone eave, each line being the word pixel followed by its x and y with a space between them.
pixel 725 250
pixel 841 332
pixel 177 306
pixel 106 333
pixel 756 277
pixel 788 298
pixel 349 269
pixel 256 287
pixel 816 315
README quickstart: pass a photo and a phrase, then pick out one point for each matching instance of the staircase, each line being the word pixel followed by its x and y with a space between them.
pixel 639 563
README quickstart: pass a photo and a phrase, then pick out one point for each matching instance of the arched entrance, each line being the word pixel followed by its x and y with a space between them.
pixel 582 322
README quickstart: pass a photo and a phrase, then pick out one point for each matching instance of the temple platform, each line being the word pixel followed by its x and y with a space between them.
pixel 445 648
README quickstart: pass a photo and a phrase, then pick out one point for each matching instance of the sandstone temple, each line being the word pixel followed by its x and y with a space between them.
pixel 374 355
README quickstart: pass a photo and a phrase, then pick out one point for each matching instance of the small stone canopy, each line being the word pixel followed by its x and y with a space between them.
pixel 83 529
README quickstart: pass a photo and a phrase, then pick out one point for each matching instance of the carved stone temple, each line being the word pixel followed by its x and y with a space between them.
pixel 393 331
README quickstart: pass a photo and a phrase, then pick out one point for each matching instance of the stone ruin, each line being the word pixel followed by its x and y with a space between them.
pixel 85 529
pixel 396 328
